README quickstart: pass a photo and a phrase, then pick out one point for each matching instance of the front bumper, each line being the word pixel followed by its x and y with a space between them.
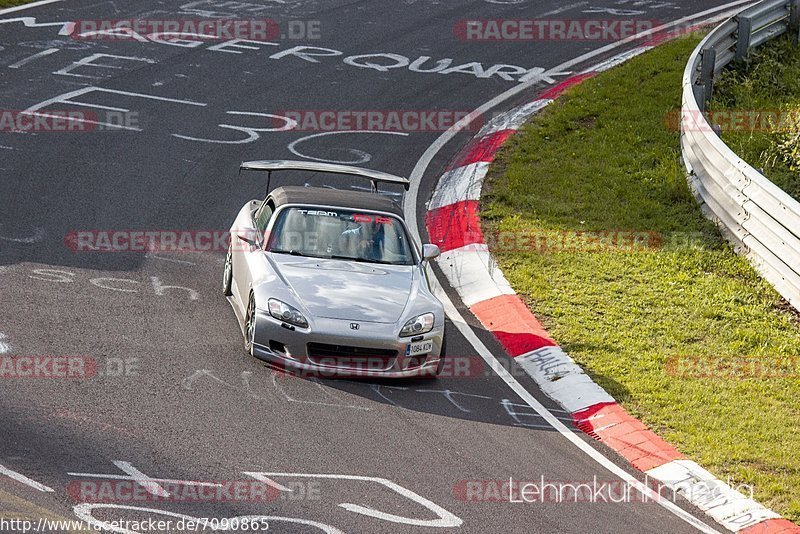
pixel 331 348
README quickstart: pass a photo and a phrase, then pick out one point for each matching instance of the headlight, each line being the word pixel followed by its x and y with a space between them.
pixel 418 325
pixel 283 312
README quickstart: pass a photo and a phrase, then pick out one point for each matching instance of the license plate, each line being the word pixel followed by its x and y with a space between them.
pixel 420 347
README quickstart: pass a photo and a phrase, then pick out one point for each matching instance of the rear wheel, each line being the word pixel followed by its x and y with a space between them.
pixel 250 325
pixel 227 274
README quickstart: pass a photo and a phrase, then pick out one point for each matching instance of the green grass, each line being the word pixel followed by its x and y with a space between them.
pixel 11 3
pixel 768 81
pixel 601 158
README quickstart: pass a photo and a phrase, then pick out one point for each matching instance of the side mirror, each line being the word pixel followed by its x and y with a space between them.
pixel 249 236
pixel 430 252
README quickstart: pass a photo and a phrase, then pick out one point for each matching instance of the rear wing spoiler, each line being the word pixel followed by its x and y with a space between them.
pixel 375 177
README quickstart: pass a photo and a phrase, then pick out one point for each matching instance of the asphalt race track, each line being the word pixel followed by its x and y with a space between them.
pixel 174 396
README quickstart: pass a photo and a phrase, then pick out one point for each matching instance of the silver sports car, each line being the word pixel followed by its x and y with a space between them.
pixel 329 282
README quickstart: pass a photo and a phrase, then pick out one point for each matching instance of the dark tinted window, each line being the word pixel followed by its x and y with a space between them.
pixel 341 234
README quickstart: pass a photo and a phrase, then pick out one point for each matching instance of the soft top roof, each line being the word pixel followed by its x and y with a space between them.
pixel 318 196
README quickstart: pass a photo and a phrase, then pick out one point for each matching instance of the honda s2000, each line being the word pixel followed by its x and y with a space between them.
pixel 329 282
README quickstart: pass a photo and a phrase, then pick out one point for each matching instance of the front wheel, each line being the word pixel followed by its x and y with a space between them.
pixel 442 353
pixel 250 325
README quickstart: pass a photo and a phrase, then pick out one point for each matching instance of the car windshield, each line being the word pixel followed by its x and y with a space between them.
pixel 341 234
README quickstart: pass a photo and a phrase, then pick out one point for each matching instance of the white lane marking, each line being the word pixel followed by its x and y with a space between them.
pixel 325 389
pixel 152 488
pixel 445 518
pixel 86 121
pixel 27 6
pixel 563 9
pixel 151 97
pixel 67 98
pixel 55 275
pixel 25 480
pixel 153 256
pixel 277 486
pixel 37 236
pixel 83 511
pixel 67 27
pixel 448 394
pixel 377 388
pixel 104 283
pixel 253 134
pixel 504 2
pixel 289 398
pixel 245 379
pixel 98 106
pixel 150 484
pixel 4 346
pixel 34 57
pixel 362 157
pixel 159 288
pixel 618 59
pixel 615 12
pixel 460 323
pixel 89 61
pixel 511 409
pixel 188 382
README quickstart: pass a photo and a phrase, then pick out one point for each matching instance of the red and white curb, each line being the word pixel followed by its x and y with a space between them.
pixel 453 223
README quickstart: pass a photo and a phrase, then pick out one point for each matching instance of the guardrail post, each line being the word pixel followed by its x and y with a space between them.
pixel 743 35
pixel 700 96
pixel 708 60
pixel 794 21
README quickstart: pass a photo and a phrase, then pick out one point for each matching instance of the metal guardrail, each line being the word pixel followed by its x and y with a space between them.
pixel 760 219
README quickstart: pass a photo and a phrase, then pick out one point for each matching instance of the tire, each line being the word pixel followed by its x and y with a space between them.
pixel 227 275
pixel 442 355
pixel 250 325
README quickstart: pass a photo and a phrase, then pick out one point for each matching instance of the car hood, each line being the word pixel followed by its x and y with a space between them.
pixel 354 291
